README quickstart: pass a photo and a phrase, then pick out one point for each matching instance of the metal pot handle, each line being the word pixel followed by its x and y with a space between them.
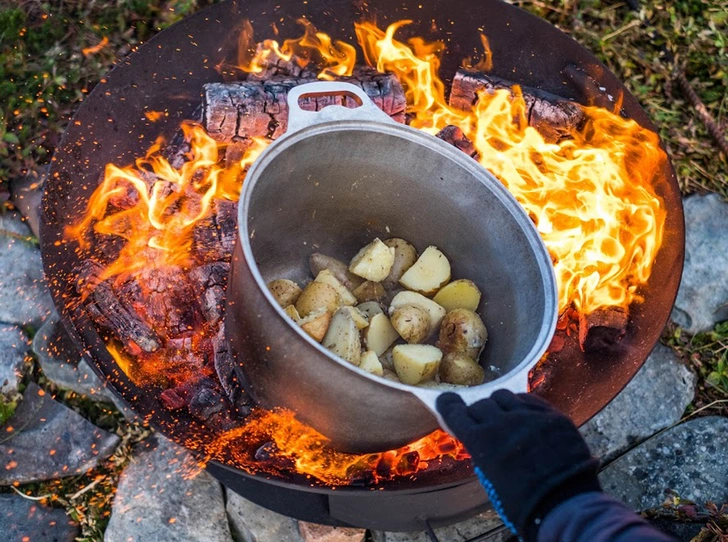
pixel 299 119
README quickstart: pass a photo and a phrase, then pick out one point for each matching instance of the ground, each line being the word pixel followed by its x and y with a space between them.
pixel 53 53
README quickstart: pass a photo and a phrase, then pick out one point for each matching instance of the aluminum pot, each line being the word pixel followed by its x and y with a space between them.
pixel 336 180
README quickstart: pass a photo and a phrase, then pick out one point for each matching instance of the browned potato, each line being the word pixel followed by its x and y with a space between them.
pixel 369 291
pixel 458 368
pixel 405 255
pixel 317 296
pixel 316 324
pixel 317 262
pixel 285 291
pixel 462 331
pixel 412 323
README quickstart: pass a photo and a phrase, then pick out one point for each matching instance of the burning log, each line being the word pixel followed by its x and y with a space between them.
pixel 210 281
pixel 204 400
pixel 456 137
pixel 602 328
pixel 242 110
pixel 554 117
pixel 230 375
pixel 214 237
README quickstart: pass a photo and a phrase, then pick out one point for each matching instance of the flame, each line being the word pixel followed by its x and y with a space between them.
pixel 88 51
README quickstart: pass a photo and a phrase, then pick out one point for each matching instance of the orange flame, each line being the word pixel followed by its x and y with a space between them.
pixel 88 51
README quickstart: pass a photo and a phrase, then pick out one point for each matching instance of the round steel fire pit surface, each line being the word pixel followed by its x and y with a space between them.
pixel 167 74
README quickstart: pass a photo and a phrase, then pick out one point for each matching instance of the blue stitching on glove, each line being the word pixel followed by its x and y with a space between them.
pixel 495 500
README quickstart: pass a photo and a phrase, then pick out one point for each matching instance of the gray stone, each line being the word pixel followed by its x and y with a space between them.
pixel 482 524
pixel 702 300
pixel 24 297
pixel 27 193
pixel 313 532
pixel 690 459
pixel 61 363
pixel 45 439
pixel 252 523
pixel 655 399
pixel 23 519
pixel 13 348
pixel 162 497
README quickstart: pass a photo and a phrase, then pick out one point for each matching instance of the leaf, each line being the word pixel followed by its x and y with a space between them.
pixel 10 137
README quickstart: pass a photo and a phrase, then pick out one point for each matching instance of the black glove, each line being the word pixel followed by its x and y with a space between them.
pixel 529 457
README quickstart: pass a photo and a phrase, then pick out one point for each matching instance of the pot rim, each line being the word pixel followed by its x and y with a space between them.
pixel 517 378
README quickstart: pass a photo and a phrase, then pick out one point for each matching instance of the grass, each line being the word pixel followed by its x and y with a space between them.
pixel 52 53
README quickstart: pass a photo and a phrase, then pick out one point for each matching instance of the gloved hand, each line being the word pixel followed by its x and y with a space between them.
pixel 529 457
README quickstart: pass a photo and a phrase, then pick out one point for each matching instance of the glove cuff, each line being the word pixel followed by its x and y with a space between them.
pixel 584 481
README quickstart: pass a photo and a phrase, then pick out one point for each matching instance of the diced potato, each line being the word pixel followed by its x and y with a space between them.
pixel 459 368
pixel 370 308
pixel 429 273
pixel 370 291
pixel 292 313
pixel 370 363
pixel 412 323
pixel 360 319
pixel 327 277
pixel 342 337
pixel 391 375
pixel 317 262
pixel 463 331
pixel 416 363
pixel 316 324
pixel 373 262
pixel 317 296
pixel 405 255
pixel 436 312
pixel 285 291
pixel 380 334
pixel 459 294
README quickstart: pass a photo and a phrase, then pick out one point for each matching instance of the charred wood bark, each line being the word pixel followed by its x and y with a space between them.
pixel 456 137
pixel 554 117
pixel 210 281
pixel 230 375
pixel 602 329
pixel 242 110
pixel 214 237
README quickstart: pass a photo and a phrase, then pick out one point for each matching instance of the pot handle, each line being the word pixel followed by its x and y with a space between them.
pixel 299 119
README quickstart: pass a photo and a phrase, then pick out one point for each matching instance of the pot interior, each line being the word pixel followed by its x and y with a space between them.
pixel 337 189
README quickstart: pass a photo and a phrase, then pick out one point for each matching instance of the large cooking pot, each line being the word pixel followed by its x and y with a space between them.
pixel 337 179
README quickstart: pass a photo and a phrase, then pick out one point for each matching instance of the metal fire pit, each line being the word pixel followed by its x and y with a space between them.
pixel 168 73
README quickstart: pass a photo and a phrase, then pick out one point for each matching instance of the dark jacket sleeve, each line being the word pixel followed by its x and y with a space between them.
pixel 597 517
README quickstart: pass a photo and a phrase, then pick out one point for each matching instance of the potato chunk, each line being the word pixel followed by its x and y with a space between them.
pixel 317 296
pixel 373 262
pixel 285 291
pixel 459 368
pixel 327 277
pixel 436 312
pixel 405 255
pixel 380 334
pixel 459 294
pixel 292 313
pixel 342 337
pixel 415 363
pixel 412 323
pixel 316 324
pixel 369 291
pixel 360 319
pixel 430 272
pixel 370 308
pixel 370 363
pixel 317 262
pixel 463 331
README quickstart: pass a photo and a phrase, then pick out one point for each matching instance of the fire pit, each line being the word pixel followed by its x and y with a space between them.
pixel 161 85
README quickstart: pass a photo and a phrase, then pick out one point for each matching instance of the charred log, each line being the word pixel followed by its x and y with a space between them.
pixel 214 237
pixel 210 281
pixel 241 110
pixel 456 137
pixel 230 375
pixel 554 117
pixel 602 329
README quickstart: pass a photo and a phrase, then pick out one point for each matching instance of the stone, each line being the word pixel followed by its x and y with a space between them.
pixel 163 496
pixel 486 525
pixel 45 440
pixel 313 532
pixel 23 519
pixel 653 400
pixel 702 299
pixel 27 194
pixel 689 459
pixel 252 523
pixel 24 297
pixel 61 363
pixel 13 348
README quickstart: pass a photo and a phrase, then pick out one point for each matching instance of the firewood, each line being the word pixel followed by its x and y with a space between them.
pixel 214 237
pixel 602 328
pixel 241 110
pixel 554 117
pixel 456 137
pixel 210 281
pixel 230 375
